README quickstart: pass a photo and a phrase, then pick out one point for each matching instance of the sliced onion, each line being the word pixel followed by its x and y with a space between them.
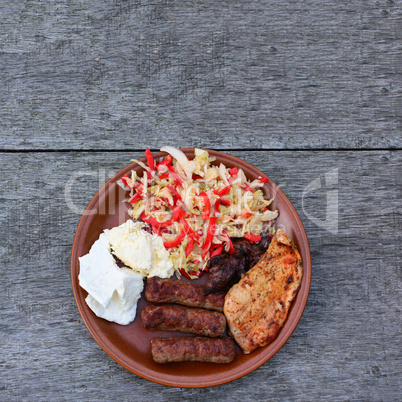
pixel 222 173
pixel 176 153
pixel 187 166
pixel 145 167
pixel 269 215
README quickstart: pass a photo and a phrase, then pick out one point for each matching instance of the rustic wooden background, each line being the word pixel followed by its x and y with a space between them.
pixel 298 89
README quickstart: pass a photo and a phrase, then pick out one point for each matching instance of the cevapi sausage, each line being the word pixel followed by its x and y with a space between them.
pixel 214 350
pixel 183 319
pixel 159 290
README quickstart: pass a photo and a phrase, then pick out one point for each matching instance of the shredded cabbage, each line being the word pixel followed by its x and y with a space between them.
pixel 173 199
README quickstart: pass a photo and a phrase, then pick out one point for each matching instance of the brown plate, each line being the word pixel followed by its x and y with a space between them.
pixel 130 345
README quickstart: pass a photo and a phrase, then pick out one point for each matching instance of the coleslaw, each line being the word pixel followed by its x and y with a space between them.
pixel 196 206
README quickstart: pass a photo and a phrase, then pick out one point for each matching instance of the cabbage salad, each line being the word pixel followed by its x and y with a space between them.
pixel 197 206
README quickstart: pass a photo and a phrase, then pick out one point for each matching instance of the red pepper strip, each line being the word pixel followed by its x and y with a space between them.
pixel 229 243
pixel 149 219
pixel 210 235
pixel 178 213
pixel 150 159
pixel 178 180
pixel 207 205
pixel 252 237
pixel 135 199
pixel 176 241
pixel 196 262
pixel 197 274
pixel 247 214
pixel 157 230
pixel 196 176
pixel 233 171
pixel 270 236
pixel 176 216
pixel 217 251
pixel 152 221
pixel 178 183
pixel 139 189
pixel 184 273
pixel 189 247
pixel 226 202
pixel 217 205
pixel 166 162
pixel 247 187
pixel 124 180
pixel 189 228
pixel 225 191
pixel 263 179
pixel 174 192
pixel 167 223
pixel 164 175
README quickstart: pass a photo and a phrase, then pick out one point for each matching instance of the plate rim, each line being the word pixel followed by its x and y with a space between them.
pixel 150 374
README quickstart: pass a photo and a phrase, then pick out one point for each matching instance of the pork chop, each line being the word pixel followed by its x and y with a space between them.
pixel 256 307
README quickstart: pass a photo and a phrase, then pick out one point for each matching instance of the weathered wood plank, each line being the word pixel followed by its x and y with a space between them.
pixel 346 346
pixel 267 75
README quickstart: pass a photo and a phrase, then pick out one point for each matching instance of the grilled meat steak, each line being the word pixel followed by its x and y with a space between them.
pixel 226 268
pixel 214 350
pixel 256 307
pixel 159 290
pixel 183 319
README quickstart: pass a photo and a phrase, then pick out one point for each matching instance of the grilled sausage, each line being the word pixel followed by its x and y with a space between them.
pixel 216 350
pixel 183 319
pixel 160 290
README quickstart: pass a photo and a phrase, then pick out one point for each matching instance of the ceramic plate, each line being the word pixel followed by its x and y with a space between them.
pixel 130 345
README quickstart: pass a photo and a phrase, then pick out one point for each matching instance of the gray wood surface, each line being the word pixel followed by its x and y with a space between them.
pixel 306 91
pixel 231 74
pixel 346 346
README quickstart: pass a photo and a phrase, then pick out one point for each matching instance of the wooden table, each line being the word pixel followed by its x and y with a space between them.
pixel 306 91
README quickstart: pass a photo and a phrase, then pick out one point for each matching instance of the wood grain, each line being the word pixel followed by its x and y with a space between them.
pixel 346 346
pixel 317 81
pixel 222 75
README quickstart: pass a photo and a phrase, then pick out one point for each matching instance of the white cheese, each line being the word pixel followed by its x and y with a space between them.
pixel 113 292
pixel 123 305
pixel 130 288
pixel 113 311
pixel 139 250
pixel 97 272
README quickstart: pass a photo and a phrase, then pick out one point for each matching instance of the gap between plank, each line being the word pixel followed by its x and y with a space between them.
pixel 38 150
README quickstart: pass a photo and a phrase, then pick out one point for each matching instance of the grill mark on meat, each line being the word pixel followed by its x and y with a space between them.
pixel 213 350
pixel 183 319
pixel 159 290
pixel 256 321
